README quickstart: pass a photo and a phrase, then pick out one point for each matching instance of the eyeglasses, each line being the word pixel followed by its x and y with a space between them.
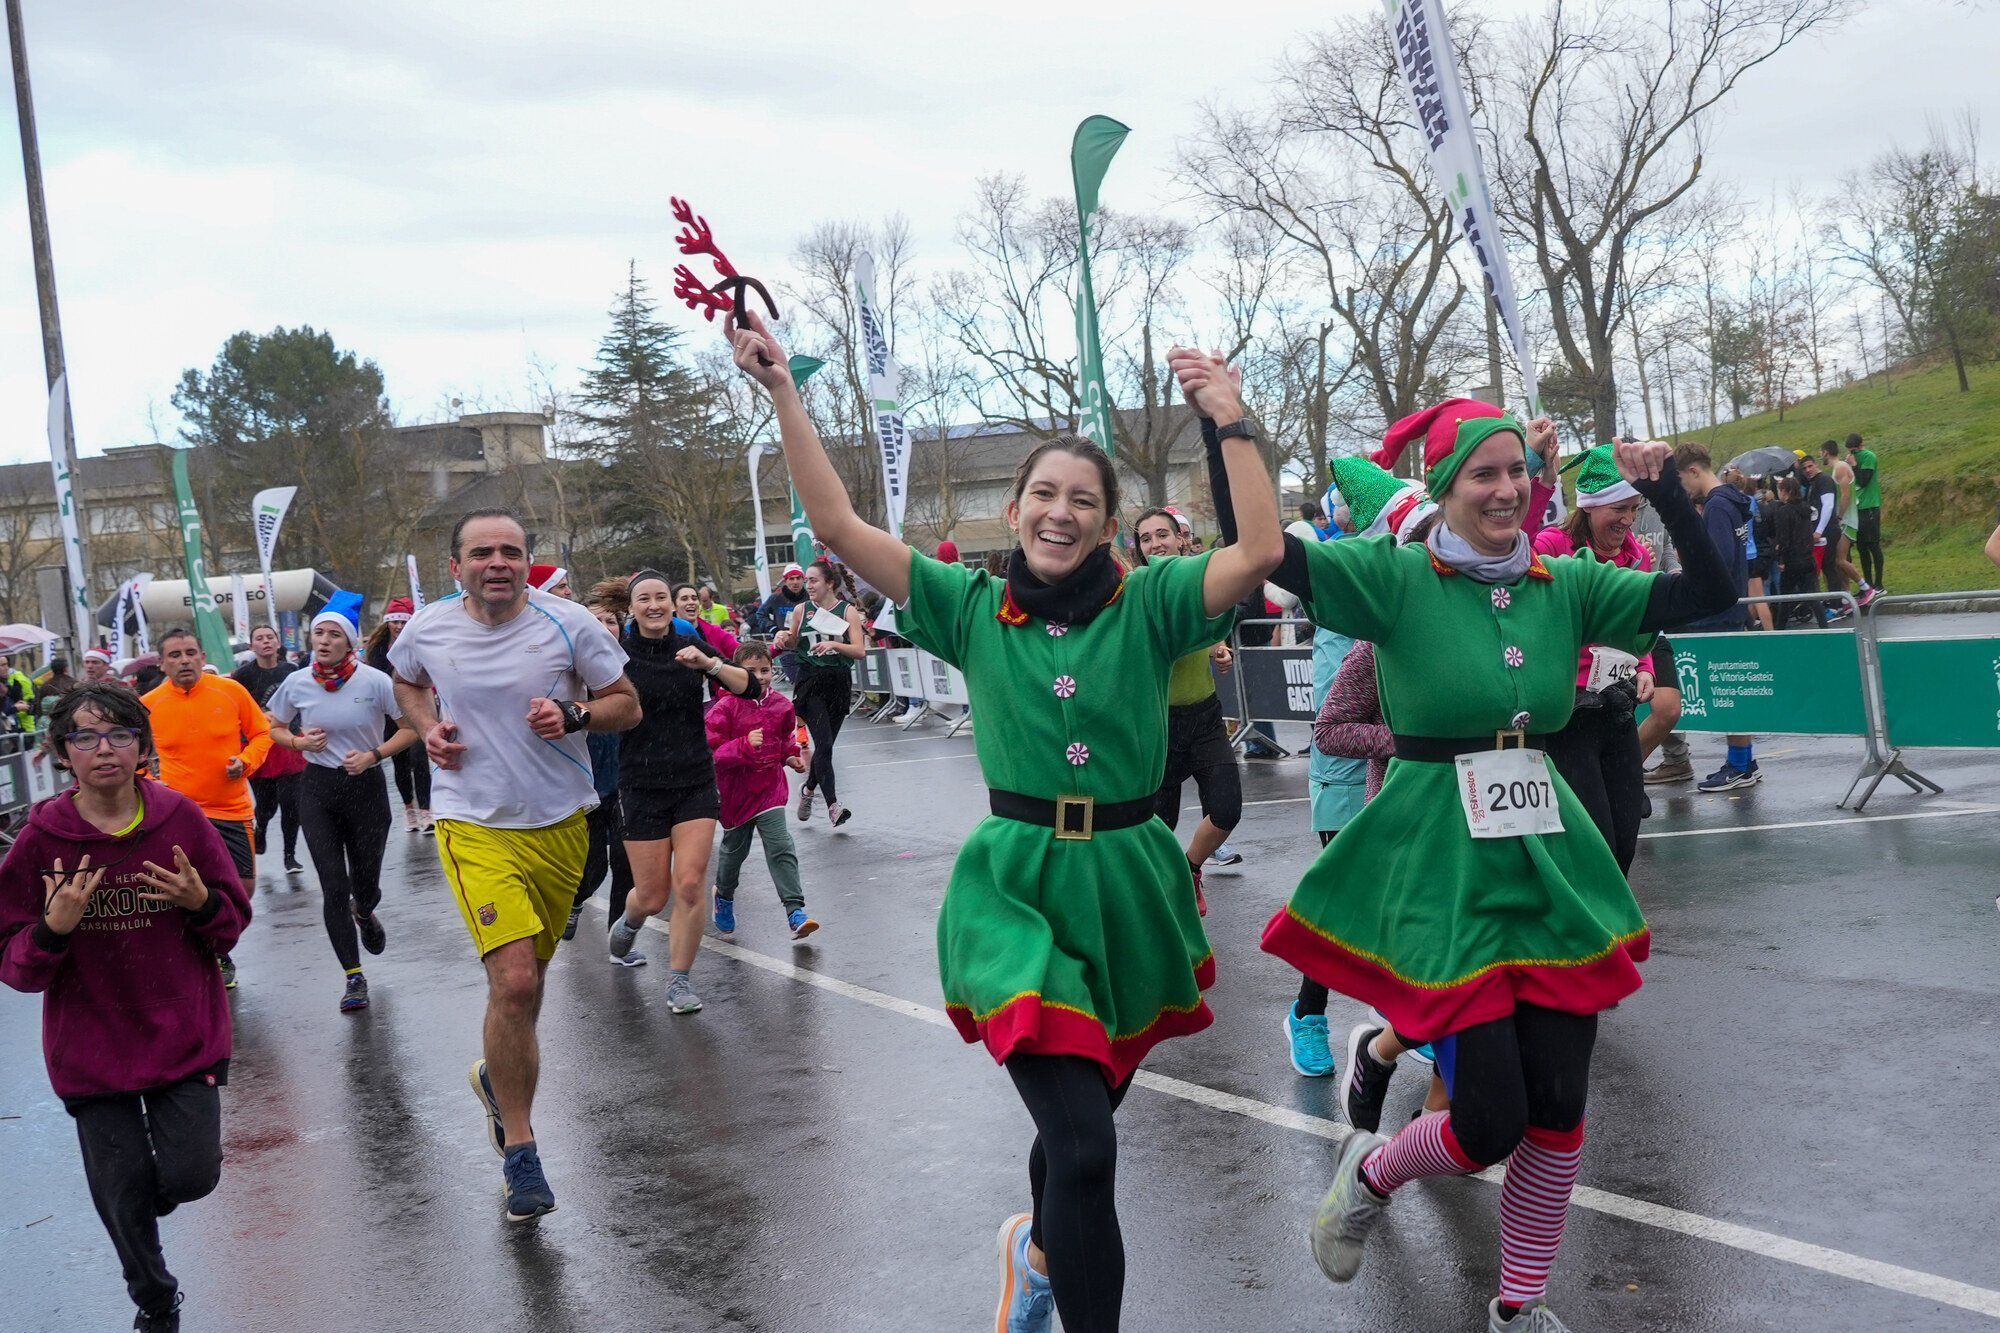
pixel 87 741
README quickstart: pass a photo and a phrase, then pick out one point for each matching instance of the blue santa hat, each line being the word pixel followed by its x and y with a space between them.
pixel 342 609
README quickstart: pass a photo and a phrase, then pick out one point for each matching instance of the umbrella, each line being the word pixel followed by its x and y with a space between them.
pixel 1768 461
pixel 17 636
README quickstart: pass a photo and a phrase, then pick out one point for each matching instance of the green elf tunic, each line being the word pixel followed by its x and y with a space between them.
pixel 1406 910
pixel 1051 947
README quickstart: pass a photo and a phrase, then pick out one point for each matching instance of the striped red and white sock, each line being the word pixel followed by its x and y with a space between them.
pixel 1534 1203
pixel 1424 1147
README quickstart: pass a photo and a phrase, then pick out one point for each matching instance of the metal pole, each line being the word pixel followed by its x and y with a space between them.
pixel 45 267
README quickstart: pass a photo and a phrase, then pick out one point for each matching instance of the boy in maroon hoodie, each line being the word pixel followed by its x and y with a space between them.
pixel 754 741
pixel 115 903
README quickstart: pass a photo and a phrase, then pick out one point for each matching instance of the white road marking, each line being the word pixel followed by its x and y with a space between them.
pixel 1769 1245
pixel 891 763
pixel 1824 823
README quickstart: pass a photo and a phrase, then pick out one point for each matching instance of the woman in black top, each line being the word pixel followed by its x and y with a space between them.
pixel 825 688
pixel 666 778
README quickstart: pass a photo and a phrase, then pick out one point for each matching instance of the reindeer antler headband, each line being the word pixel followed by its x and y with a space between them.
pixel 728 294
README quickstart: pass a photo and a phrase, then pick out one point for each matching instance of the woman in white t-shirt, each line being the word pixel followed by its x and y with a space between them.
pixel 335 712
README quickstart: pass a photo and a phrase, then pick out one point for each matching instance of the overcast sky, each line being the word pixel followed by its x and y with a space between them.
pixel 454 188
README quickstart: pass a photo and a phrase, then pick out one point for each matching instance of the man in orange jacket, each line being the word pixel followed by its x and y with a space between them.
pixel 211 736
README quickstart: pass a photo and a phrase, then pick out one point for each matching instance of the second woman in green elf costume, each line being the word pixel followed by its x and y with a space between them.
pixel 1473 902
pixel 1068 941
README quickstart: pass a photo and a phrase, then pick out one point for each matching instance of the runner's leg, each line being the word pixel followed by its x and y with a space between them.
pixel 729 864
pixel 1541 1175
pixel 688 848
pixel 513 1054
pixel 124 1185
pixel 781 857
pixel 368 825
pixel 1072 1171
pixel 288 815
pixel 327 839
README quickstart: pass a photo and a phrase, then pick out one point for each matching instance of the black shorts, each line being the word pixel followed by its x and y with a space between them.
pixel 236 841
pixel 651 812
pixel 1198 748
pixel 1761 568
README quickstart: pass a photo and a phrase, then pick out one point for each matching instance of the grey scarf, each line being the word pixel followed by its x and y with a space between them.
pixel 1455 551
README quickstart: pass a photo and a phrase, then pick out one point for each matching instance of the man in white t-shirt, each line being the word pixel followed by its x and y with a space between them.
pixel 510 785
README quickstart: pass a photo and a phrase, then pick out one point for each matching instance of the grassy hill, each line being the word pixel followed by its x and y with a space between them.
pixel 1940 456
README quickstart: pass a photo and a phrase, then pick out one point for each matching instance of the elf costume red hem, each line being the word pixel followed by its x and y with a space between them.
pixel 1427 1010
pixel 1027 1024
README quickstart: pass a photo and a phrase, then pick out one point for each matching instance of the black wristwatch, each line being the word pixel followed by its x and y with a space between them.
pixel 1240 429
pixel 575 717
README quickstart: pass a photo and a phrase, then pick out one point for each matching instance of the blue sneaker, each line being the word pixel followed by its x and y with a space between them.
pixel 1027 1301
pixel 1311 1055
pixel 482 1088
pixel 528 1192
pixel 1729 778
pixel 725 916
pixel 801 924
pixel 1225 855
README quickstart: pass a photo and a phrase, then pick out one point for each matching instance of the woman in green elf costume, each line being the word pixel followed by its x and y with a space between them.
pixel 1068 941
pixel 1473 903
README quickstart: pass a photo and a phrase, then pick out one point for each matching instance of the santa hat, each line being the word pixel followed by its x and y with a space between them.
pixel 342 609
pixel 791 571
pixel 97 655
pixel 1186 523
pixel 1598 482
pixel 544 577
pixel 947 551
pixel 1450 432
pixel 398 610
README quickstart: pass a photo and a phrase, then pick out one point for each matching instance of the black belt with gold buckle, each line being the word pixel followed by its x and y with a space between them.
pixel 1074 818
pixel 1444 749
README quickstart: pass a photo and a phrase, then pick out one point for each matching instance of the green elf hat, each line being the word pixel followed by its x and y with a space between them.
pixel 1450 432
pixel 1369 493
pixel 1597 480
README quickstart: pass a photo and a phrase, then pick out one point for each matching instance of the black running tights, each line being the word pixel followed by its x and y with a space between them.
pixel 1530 1068
pixel 280 797
pixel 347 827
pixel 822 706
pixel 1073 1172
pixel 413 773
pixel 1312 995
pixel 1597 754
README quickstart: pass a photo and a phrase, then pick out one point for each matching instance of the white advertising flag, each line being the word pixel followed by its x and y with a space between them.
pixel 762 561
pixel 416 588
pixel 884 388
pixel 268 510
pixel 80 615
pixel 1430 72
pixel 239 594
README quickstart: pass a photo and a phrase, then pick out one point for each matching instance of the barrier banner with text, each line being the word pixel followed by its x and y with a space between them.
pixel 1277 684
pixel 873 673
pixel 1941 692
pixel 1805 682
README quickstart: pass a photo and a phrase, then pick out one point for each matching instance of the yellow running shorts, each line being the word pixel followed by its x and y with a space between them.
pixel 514 883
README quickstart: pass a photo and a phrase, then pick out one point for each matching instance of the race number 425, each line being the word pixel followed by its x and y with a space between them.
pixel 1507 794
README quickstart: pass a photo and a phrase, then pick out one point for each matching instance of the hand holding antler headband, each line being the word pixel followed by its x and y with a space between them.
pixel 728 294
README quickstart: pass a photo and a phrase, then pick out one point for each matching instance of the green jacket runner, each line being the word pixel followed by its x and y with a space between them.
pixel 1055 947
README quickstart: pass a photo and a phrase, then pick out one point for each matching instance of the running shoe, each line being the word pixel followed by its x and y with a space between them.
pixel 681 997
pixel 228 966
pixel 1841 612
pixel 1027 1301
pixel 528 1192
pixel 1312 1057
pixel 292 866
pixel 805 804
pixel 410 824
pixel 1225 855
pixel 1349 1211
pixel 801 924
pixel 161 1321
pixel 1536 1318
pixel 725 916
pixel 1669 770
pixel 569 927
pixel 1729 778
pixel 1200 898
pixel 634 959
pixel 1367 1081
pixel 427 822
pixel 1868 595
pixel 373 937
pixel 482 1088
pixel 623 936
pixel 838 813
pixel 356 995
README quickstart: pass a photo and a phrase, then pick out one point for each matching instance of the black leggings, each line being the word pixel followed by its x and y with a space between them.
pixel 1312 995
pixel 1531 1068
pixel 1598 756
pixel 347 826
pixel 1073 1173
pixel 607 850
pixel 144 1156
pixel 413 774
pixel 1868 541
pixel 279 796
pixel 822 702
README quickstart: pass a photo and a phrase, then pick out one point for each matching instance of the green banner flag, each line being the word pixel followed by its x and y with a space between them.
pixel 208 624
pixel 805 548
pixel 1090 153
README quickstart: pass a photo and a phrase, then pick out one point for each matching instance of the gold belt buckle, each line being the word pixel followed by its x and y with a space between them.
pixel 1518 735
pixel 1076 818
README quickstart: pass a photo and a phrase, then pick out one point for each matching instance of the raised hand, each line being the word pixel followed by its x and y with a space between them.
pixel 1211 386
pixel 180 887
pixel 757 341
pixel 1641 460
pixel 1542 439
pixel 65 895
pixel 442 745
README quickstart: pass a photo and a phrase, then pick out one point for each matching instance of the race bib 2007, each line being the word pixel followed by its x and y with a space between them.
pixel 1507 794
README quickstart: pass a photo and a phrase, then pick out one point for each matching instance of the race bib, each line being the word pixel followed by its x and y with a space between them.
pixel 1507 794
pixel 829 624
pixel 1609 665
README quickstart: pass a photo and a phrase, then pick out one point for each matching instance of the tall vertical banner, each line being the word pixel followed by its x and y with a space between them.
pixel 885 386
pixel 805 547
pixel 1090 153
pixel 267 511
pixel 1430 72
pixel 759 559
pixel 239 604
pixel 416 587
pixel 81 616
pixel 208 626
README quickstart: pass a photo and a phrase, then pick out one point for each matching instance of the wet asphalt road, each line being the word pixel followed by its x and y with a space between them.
pixel 1810 1058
